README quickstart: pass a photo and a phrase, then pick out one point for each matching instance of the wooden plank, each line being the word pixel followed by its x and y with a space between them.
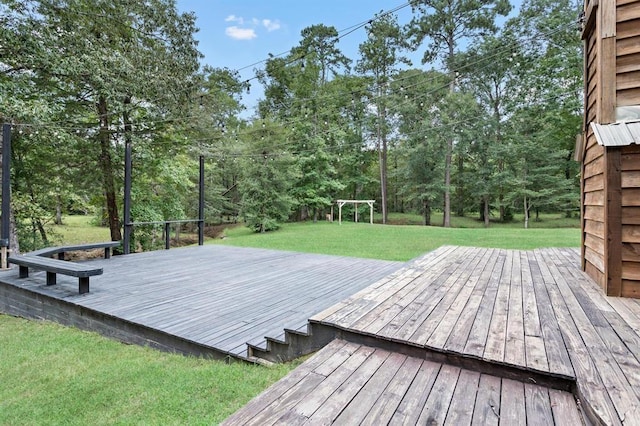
pixel 486 411
pixel 630 197
pixel 416 397
pixel 607 65
pixel 594 228
pixel 628 11
pixel 630 252
pixel 455 326
pixel 628 29
pixel 557 355
pixel 594 168
pixel 384 409
pixel 630 233
pixel 628 80
pixel 514 352
pixel 594 183
pixel 276 391
pixel 593 153
pixel 464 397
pixel 309 405
pixel 340 398
pixel 564 407
pixel 512 406
pixel 597 372
pixel 613 229
pixel 367 395
pixel 595 274
pixel 475 344
pixel 595 213
pixel 413 324
pixel 630 216
pixel 538 405
pixel 631 288
pixel 595 198
pixel 631 271
pixel 495 347
pixel 630 178
pixel 628 97
pixel 439 400
pixel 427 325
pixel 594 243
pixel 595 258
pixel 628 63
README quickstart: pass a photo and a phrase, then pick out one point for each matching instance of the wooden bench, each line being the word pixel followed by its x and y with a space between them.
pixel 55 266
pixel 61 250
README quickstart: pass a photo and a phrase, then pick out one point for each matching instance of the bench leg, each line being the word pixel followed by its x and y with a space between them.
pixel 51 278
pixel 107 253
pixel 23 271
pixel 83 285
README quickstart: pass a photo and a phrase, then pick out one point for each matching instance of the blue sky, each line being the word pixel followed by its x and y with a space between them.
pixel 235 34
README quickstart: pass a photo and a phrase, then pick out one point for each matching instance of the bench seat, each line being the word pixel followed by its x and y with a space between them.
pixel 55 266
pixel 61 250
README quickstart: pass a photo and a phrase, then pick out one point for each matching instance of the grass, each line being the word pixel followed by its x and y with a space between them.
pixel 394 242
pixel 80 229
pixel 52 374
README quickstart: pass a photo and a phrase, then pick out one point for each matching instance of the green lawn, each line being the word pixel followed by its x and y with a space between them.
pixel 55 375
pixel 80 229
pixel 395 242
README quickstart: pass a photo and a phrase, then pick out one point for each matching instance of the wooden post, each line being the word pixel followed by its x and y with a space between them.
pixel 201 203
pixel 370 212
pixel 613 222
pixel 128 227
pixel 5 227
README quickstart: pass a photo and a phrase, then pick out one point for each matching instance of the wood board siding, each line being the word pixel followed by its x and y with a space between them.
pixel 630 220
pixel 610 181
pixel 628 54
pixel 593 209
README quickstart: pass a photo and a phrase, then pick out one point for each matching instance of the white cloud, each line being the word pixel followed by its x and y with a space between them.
pixel 237 32
pixel 240 33
pixel 234 18
pixel 271 25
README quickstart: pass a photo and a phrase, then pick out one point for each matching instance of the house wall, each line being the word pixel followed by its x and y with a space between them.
pixel 593 209
pixel 611 175
pixel 627 52
pixel 630 217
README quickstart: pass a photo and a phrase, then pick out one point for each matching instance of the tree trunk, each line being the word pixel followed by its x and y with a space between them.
pixel 485 202
pixel 526 213
pixel 106 168
pixel 382 157
pixel 446 219
pixel 427 213
pixel 460 187
pixel 58 220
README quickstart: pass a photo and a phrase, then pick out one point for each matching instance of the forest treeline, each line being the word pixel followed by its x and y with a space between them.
pixel 484 125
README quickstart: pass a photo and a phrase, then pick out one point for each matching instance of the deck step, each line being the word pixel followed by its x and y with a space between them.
pixel 294 344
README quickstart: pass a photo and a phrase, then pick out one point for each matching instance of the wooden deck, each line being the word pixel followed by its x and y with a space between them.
pixel 347 383
pixel 211 296
pixel 483 315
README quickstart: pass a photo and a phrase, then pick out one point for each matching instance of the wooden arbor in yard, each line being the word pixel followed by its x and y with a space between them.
pixel 609 148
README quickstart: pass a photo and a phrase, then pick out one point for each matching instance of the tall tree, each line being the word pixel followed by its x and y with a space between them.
pixel 380 58
pixel 445 24
pixel 107 60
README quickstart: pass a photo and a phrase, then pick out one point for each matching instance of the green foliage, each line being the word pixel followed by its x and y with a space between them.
pixel 57 375
pixel 267 179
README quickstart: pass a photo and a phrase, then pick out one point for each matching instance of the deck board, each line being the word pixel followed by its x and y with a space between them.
pixel 534 310
pixel 217 296
pixel 372 386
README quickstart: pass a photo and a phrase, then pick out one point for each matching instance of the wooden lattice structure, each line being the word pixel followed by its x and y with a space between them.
pixel 610 158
